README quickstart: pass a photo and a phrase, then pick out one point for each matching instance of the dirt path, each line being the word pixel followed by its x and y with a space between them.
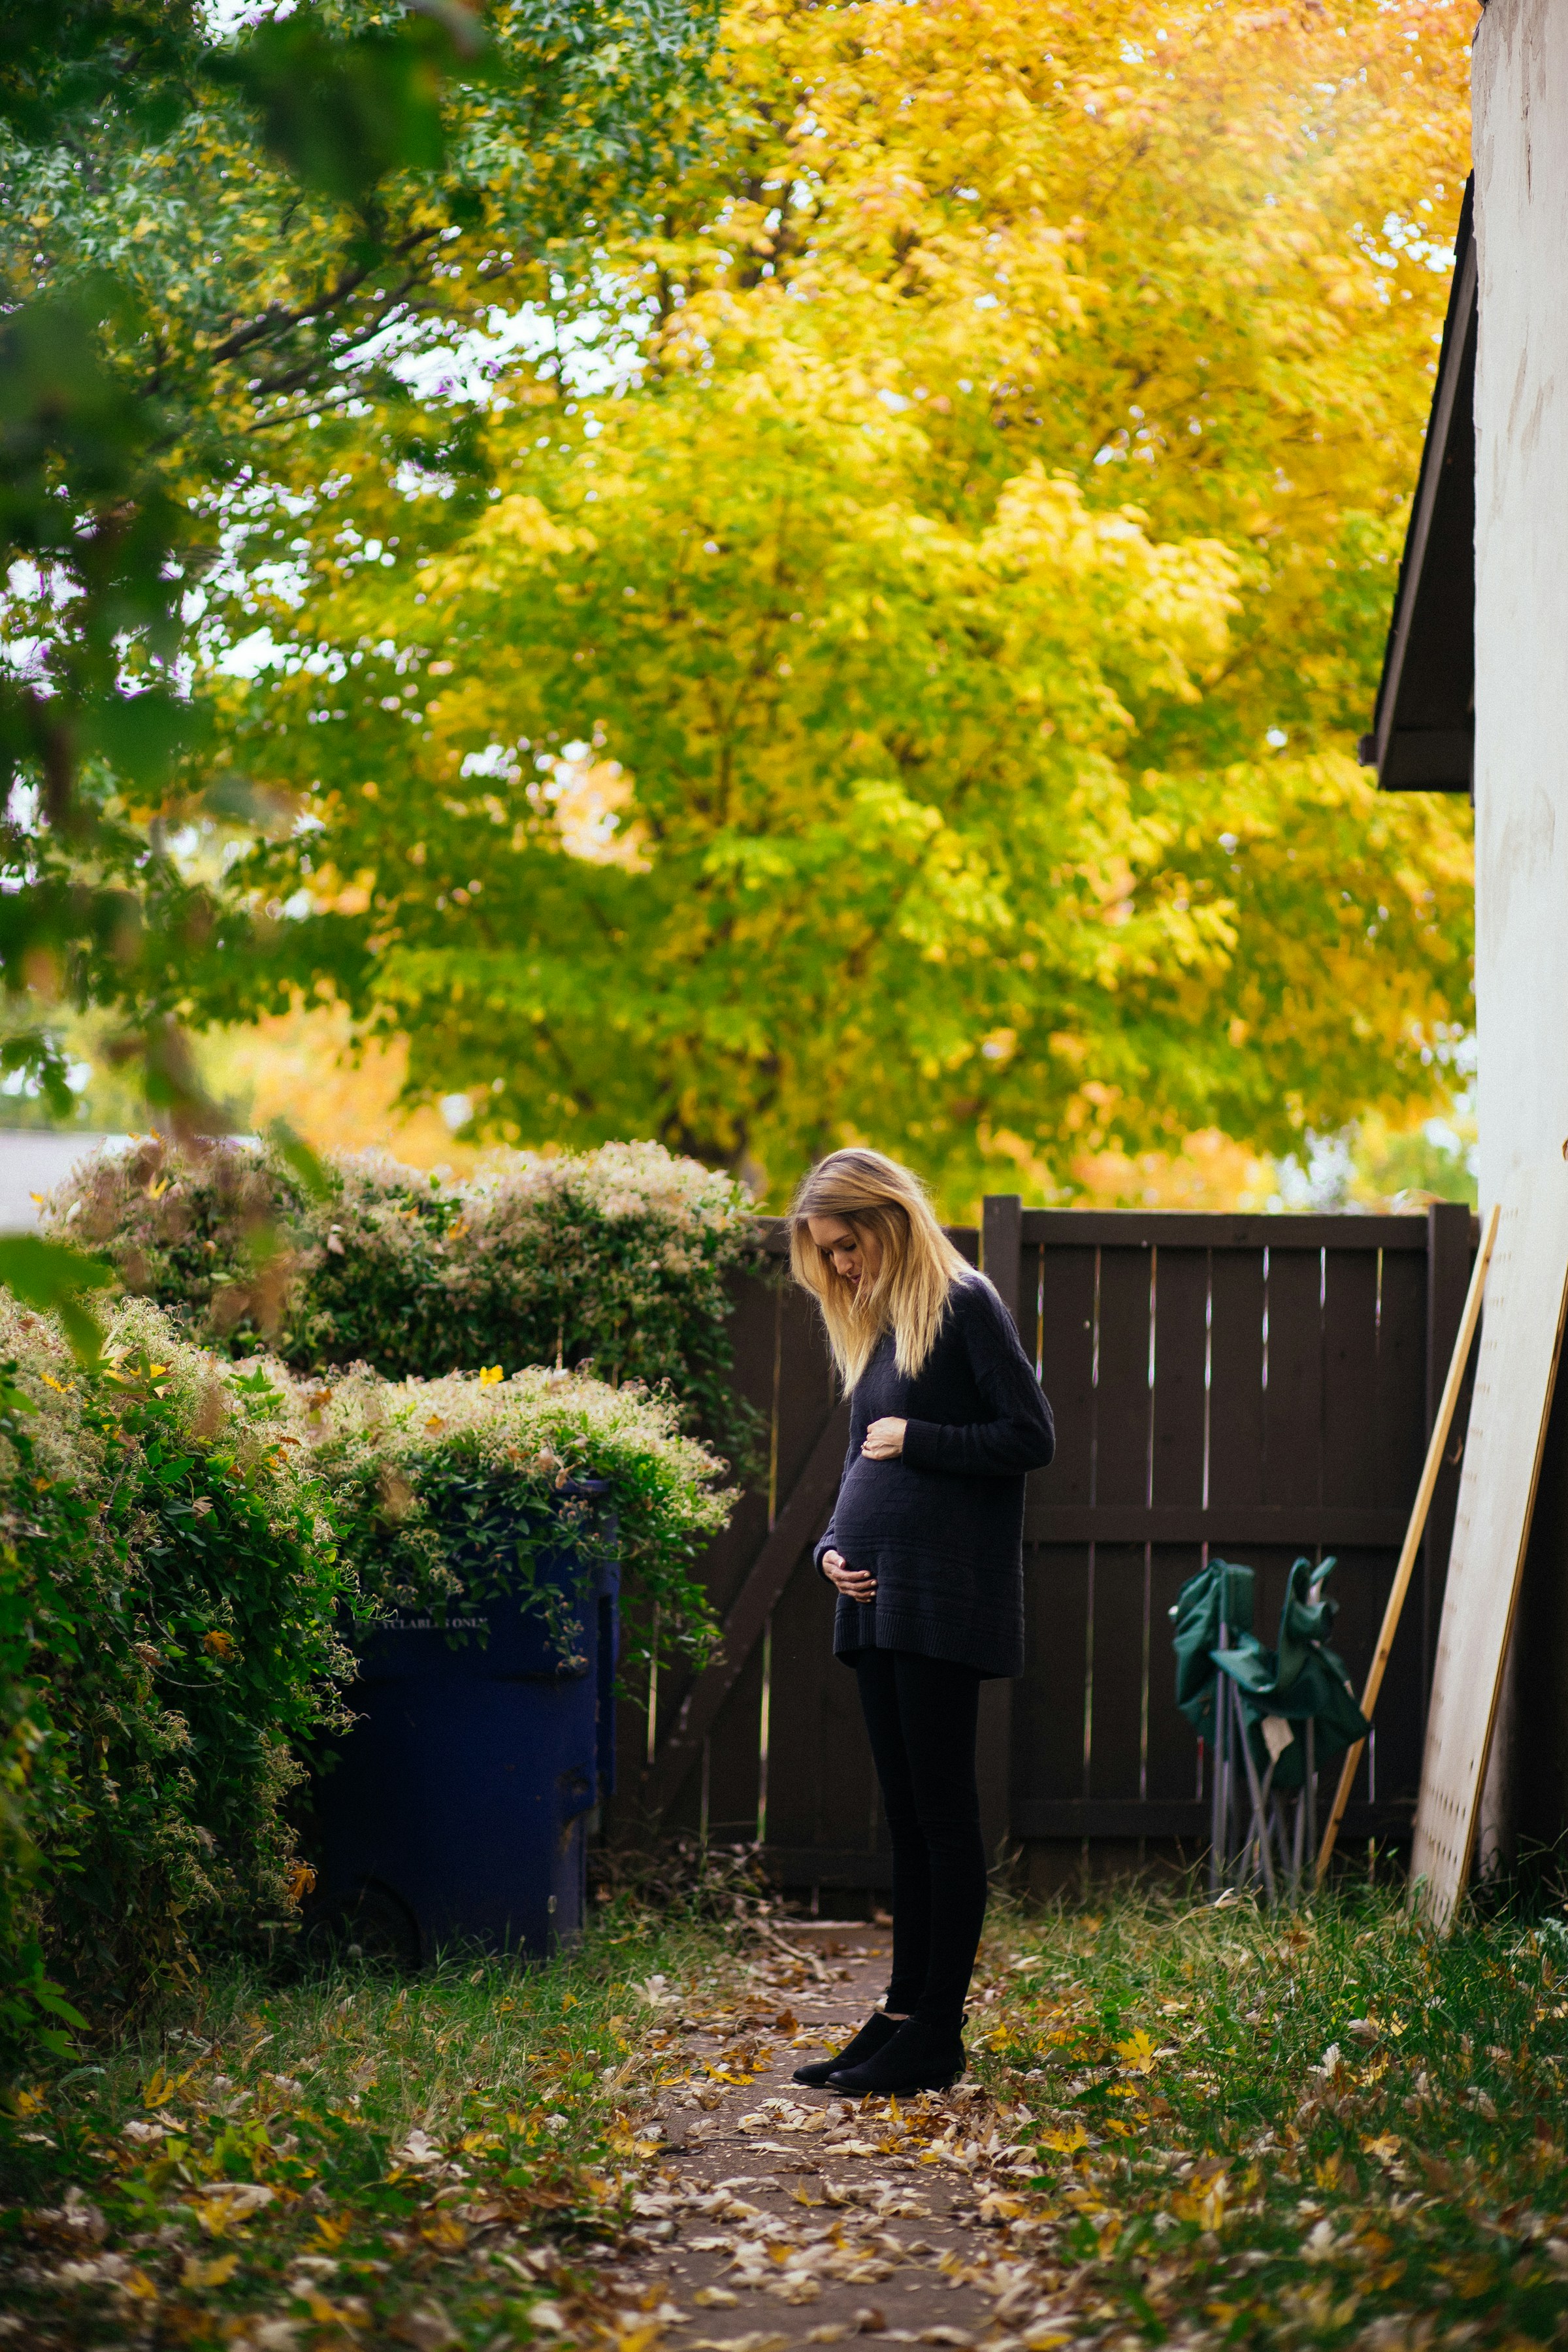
pixel 785 2216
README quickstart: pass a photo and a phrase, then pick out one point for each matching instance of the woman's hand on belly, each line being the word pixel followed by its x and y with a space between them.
pixel 855 1583
pixel 884 1441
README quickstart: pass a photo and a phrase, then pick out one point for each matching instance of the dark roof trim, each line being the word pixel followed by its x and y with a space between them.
pixel 1422 737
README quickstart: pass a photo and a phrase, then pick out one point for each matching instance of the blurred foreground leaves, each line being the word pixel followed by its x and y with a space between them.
pixel 209 253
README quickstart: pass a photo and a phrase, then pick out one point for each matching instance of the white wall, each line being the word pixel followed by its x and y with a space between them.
pixel 33 1161
pixel 1520 87
pixel 1520 92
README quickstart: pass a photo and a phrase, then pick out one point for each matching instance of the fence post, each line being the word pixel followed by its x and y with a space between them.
pixel 1450 1248
pixel 1002 1243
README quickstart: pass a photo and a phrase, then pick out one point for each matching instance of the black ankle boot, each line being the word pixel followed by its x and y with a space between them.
pixel 878 2029
pixel 918 2057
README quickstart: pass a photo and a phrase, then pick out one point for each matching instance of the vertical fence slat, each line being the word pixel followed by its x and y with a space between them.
pixel 1350 1383
pixel 1180 1319
pixel 1293 1396
pixel 1002 1248
pixel 1121 1391
pixel 1235 1397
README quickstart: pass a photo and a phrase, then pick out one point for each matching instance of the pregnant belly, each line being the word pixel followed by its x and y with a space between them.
pixel 879 1502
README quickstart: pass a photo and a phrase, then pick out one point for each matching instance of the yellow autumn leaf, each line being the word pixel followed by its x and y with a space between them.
pixel 1137 2052
pixel 1065 2143
pixel 1206 2206
pixel 217 2273
pixel 639 2339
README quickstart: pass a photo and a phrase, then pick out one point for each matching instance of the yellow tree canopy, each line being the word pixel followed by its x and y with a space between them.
pixel 915 702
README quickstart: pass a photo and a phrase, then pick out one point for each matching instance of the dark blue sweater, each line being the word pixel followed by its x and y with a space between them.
pixel 942 1525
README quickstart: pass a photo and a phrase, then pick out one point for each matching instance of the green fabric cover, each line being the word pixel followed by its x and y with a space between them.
pixel 1302 1679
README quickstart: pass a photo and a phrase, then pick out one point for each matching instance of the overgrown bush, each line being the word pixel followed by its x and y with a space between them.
pixel 618 1257
pixel 184 1540
pixel 448 1490
pixel 170 1585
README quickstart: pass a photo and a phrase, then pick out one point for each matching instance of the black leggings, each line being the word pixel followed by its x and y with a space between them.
pixel 921 1715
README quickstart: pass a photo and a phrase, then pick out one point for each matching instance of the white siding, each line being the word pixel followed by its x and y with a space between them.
pixel 1520 88
pixel 1520 94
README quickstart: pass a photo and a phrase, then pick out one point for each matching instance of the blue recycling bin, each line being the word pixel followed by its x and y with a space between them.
pixel 459 1807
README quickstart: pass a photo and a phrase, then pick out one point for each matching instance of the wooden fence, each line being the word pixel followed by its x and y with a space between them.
pixel 1252 1388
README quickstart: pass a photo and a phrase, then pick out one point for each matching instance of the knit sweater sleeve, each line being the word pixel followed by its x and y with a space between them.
pixel 1018 1432
pixel 828 1541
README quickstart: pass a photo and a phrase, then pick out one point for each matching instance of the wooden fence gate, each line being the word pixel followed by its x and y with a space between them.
pixel 1251 1387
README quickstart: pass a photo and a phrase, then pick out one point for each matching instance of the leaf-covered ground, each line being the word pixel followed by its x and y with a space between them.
pixel 1318 2130
pixel 347 2159
pixel 1183 2124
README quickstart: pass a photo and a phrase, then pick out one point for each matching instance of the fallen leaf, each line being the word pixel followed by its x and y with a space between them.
pixel 428 2329
pixel 1138 2052
pixel 715 2298
pixel 217 2273
pixel 994 2209
pixel 758 2341
pixel 224 2204
pixel 444 2231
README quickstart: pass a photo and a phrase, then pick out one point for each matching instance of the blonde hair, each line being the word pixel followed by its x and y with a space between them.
pixel 919 1265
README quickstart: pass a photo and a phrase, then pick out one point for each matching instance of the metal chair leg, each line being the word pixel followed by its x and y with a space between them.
pixel 1259 1817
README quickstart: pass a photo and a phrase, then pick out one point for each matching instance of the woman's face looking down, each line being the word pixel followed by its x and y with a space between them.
pixel 856 1256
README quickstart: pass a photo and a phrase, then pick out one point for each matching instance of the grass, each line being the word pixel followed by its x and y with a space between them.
pixel 1199 2124
pixel 1327 2129
pixel 348 2158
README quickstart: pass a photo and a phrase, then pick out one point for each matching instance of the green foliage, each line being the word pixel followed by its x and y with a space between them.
pixel 52 1276
pixel 450 1490
pixel 916 703
pixel 182 1540
pixel 209 252
pixel 617 1259
pixel 172 1584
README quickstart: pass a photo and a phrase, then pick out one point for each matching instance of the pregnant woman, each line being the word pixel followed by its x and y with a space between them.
pixel 925 1547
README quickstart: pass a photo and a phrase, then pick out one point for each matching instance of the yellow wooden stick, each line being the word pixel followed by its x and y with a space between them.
pixel 1413 1533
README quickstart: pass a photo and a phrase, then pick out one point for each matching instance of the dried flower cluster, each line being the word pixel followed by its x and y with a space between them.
pixel 616 1257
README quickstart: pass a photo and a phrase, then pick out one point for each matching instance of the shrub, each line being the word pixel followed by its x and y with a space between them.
pixel 448 1489
pixel 178 1579
pixel 182 1540
pixel 618 1257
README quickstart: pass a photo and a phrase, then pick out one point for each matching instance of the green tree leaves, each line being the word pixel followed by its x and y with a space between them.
pixel 205 252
